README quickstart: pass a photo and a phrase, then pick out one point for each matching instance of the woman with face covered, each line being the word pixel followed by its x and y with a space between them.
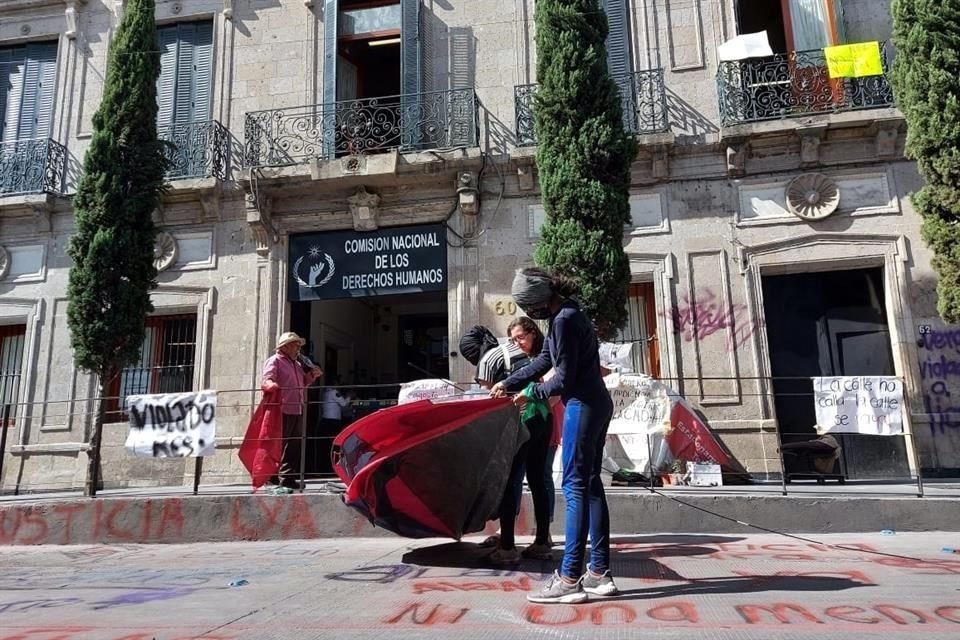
pixel 572 350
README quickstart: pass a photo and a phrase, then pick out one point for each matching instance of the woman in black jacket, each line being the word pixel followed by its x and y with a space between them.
pixel 572 350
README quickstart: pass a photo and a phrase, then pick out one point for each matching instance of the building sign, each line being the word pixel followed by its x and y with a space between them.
pixel 172 425
pixel 859 404
pixel 348 264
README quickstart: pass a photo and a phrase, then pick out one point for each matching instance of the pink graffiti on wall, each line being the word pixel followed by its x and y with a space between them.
pixel 707 314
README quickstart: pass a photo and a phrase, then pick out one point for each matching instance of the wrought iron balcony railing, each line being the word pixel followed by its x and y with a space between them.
pixel 417 122
pixel 794 84
pixel 197 150
pixel 643 98
pixel 36 165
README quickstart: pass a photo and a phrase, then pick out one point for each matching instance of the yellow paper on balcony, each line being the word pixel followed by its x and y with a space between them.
pixel 854 60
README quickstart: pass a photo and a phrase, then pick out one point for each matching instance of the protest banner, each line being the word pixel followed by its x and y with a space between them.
pixel 428 389
pixel 172 425
pixel 870 405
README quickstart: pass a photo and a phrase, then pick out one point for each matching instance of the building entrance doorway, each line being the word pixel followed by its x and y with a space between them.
pixel 830 323
pixel 367 348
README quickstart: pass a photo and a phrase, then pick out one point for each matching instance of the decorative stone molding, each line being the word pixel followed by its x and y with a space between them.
pixel 737 151
pixel 812 196
pixel 886 141
pixel 660 163
pixel 4 262
pixel 261 223
pixel 211 201
pixel 365 209
pixel 42 219
pixel 71 16
pixel 526 177
pixel 810 139
pixel 164 251
pixel 228 9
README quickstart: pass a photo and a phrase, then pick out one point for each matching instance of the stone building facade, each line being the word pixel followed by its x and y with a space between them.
pixel 772 236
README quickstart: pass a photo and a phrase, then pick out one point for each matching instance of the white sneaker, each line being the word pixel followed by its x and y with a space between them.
pixel 558 590
pixel 602 585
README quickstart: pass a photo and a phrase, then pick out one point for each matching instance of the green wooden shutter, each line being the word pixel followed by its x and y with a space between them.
pixel 8 73
pixel 186 72
pixel 410 73
pixel 202 72
pixel 183 100
pixel 331 10
pixel 618 37
pixel 40 80
pixel 619 62
pixel 167 82
pixel 15 68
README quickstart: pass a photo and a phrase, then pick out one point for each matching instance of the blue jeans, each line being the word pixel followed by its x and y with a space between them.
pixel 548 479
pixel 584 431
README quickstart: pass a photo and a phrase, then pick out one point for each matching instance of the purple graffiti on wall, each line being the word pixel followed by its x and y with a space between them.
pixel 939 364
pixel 707 314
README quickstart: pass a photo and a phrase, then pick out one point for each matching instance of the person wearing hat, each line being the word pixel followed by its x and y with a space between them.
pixel 286 372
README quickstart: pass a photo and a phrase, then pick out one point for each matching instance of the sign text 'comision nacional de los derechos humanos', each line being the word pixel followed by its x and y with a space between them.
pixel 348 264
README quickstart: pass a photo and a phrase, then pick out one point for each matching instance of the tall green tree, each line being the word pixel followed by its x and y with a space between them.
pixel 583 158
pixel 926 79
pixel 121 186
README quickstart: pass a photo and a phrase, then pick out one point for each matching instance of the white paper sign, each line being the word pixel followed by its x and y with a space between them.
pixel 425 390
pixel 616 357
pixel 744 46
pixel 870 405
pixel 641 412
pixel 173 425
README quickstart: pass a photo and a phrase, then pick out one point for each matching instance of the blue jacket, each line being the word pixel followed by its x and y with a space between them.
pixel 571 348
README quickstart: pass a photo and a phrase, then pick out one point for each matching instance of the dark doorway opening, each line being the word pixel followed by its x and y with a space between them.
pixel 754 16
pixel 366 346
pixel 830 324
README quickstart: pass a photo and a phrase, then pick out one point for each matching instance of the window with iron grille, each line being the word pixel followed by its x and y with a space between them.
pixel 12 340
pixel 166 362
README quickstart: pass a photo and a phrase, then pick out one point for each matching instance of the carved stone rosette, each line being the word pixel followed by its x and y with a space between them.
pixel 164 251
pixel 812 196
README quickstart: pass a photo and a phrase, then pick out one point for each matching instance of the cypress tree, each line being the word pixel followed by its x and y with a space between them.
pixel 112 246
pixel 583 158
pixel 926 79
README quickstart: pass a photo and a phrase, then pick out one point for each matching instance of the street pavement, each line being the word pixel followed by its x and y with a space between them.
pixel 682 587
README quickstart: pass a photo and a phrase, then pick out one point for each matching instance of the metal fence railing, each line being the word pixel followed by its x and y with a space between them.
pixel 36 165
pixel 796 83
pixel 789 458
pixel 643 100
pixel 415 122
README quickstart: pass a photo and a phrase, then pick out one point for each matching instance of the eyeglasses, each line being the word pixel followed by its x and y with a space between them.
pixel 519 338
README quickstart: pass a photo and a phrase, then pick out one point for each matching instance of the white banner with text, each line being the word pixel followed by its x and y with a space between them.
pixel 172 425
pixel 870 405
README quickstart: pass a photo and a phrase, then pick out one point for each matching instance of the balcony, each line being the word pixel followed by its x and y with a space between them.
pixel 196 150
pixel 32 166
pixel 642 97
pixel 420 122
pixel 795 84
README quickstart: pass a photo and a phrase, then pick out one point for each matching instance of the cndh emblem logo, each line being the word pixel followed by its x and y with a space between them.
pixel 319 266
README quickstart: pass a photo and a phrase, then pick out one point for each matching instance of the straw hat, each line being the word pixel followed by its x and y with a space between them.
pixel 289 337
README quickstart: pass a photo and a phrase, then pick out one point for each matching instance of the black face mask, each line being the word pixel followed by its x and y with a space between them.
pixel 538 313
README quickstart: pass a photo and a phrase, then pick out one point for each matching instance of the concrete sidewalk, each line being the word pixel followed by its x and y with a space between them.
pixel 233 513
pixel 673 587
